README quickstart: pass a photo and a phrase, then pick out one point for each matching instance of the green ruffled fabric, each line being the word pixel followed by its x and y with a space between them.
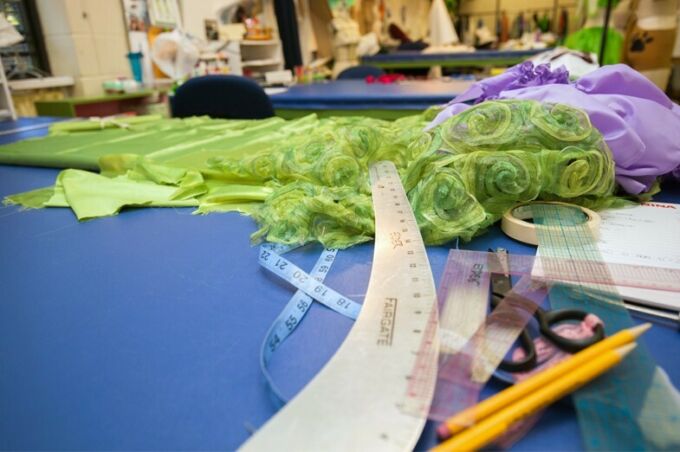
pixel 307 180
pixel 500 153
pixel 301 212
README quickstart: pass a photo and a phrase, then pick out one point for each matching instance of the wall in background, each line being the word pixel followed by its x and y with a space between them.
pixel 194 13
pixel 486 10
pixel 85 39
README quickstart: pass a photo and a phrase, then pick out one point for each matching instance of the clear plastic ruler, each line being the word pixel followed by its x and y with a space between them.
pixel 570 269
pixel 375 392
pixel 471 354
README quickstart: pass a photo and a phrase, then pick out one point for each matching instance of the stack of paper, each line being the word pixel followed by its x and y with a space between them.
pixel 648 235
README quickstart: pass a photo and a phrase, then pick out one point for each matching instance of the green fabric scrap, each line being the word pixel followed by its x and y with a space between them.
pixel 190 186
pixel 91 195
pixel 36 199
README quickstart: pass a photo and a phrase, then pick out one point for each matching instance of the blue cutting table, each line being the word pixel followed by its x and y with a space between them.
pixel 356 97
pixel 142 331
pixel 479 58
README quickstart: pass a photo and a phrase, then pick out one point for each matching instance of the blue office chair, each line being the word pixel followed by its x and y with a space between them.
pixel 221 96
pixel 360 72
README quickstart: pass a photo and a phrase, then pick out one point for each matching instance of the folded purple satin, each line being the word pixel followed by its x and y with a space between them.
pixel 639 122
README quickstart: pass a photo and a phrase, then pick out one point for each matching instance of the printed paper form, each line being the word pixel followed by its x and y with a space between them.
pixel 648 234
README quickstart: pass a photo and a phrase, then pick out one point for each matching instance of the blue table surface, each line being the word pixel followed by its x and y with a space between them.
pixel 353 93
pixel 414 55
pixel 26 127
pixel 142 331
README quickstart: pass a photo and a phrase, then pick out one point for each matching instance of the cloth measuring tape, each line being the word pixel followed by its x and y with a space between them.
pixel 309 284
pixel 375 392
pixel 515 226
pixel 295 310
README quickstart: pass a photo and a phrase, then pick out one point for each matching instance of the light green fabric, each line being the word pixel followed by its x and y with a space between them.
pixel 301 212
pixel 94 124
pixel 307 179
pixel 184 143
pixel 35 199
pixel 91 195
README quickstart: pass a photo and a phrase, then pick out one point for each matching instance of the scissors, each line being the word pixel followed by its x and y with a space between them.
pixel 501 284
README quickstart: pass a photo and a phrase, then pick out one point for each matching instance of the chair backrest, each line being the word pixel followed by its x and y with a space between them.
pixel 221 96
pixel 360 72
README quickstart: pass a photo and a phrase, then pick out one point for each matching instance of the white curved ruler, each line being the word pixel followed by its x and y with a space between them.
pixel 375 392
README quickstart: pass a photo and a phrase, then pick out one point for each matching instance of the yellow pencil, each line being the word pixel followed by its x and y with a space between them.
pixel 495 425
pixel 474 414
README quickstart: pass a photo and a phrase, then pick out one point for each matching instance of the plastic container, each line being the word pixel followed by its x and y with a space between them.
pixel 135 59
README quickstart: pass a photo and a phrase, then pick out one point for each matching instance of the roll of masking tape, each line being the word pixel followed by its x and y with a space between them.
pixel 514 222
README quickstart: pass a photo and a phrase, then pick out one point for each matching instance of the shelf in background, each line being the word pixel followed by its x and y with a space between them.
pixel 265 62
pixel 269 42
pixel 39 83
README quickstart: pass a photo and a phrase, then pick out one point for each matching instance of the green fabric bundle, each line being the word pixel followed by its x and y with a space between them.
pixel 307 180
pixel 499 153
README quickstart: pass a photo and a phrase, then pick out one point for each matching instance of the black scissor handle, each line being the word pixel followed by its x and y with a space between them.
pixel 548 319
pixel 530 359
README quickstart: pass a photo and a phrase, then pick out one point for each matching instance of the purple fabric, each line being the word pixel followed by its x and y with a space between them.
pixel 639 122
pixel 521 76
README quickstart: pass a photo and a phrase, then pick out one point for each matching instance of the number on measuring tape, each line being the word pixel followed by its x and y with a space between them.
pixel 309 285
